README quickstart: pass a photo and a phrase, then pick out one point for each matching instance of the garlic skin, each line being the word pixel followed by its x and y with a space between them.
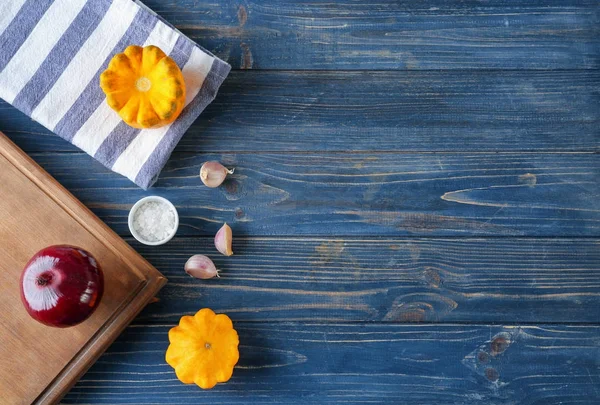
pixel 200 266
pixel 213 174
pixel 223 240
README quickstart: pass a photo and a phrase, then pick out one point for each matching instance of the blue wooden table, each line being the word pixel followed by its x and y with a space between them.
pixel 416 205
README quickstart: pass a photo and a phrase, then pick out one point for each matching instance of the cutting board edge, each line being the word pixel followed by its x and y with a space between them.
pixel 151 280
pixel 98 345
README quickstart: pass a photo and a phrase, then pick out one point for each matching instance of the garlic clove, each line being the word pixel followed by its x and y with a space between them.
pixel 223 240
pixel 200 266
pixel 213 174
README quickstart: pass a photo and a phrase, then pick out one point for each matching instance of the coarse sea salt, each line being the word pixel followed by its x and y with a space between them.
pixel 154 221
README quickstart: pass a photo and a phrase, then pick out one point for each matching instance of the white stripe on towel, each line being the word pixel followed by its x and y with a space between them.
pixel 86 63
pixel 38 45
pixel 8 11
pixel 133 158
pixel 102 121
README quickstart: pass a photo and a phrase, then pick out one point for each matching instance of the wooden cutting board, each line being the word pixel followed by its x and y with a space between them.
pixel 38 364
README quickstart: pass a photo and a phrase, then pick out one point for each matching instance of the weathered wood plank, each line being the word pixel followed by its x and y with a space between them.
pixel 381 194
pixel 389 280
pixel 287 363
pixel 341 34
pixel 382 111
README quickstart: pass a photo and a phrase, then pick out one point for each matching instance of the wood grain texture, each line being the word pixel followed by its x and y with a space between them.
pixel 415 205
pixel 405 35
pixel 383 194
pixel 287 363
pixel 384 280
pixel 382 111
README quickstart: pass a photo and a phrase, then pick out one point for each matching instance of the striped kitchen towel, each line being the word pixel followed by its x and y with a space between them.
pixel 52 53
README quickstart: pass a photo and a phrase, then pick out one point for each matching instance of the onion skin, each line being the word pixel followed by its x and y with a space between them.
pixel 213 174
pixel 223 240
pixel 61 286
pixel 200 266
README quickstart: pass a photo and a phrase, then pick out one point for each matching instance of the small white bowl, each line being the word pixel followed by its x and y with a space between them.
pixel 152 198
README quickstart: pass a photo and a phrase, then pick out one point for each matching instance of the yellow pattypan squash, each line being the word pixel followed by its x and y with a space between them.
pixel 203 349
pixel 144 86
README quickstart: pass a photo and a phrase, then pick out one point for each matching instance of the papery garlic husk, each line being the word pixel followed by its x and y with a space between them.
pixel 200 266
pixel 223 240
pixel 213 174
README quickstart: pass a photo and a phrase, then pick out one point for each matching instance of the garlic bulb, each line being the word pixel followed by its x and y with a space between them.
pixel 223 240
pixel 213 174
pixel 200 266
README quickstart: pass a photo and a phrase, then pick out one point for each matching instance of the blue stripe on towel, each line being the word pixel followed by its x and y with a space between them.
pixel 60 56
pixel 120 137
pixel 91 97
pixel 20 27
